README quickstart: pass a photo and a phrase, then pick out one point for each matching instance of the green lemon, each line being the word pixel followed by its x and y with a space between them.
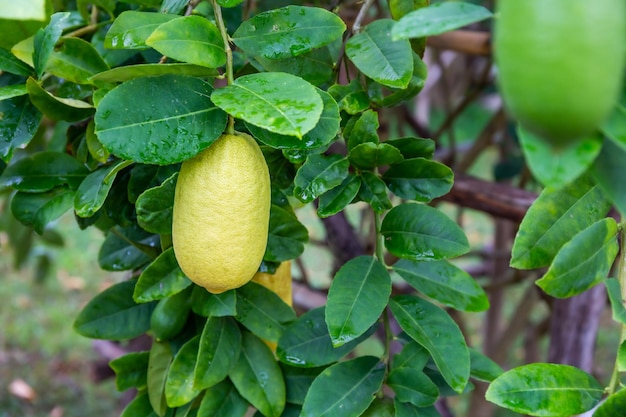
pixel 560 63
pixel 221 213
pixel 170 315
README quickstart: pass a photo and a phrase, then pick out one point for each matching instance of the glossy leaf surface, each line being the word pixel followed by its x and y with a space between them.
pixel 179 388
pixel 131 29
pixel 220 345
pixel 419 179
pixel 162 278
pixel 155 205
pixel 319 174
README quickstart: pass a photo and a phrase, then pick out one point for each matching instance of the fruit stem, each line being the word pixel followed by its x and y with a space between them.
pixel 621 277
pixel 219 20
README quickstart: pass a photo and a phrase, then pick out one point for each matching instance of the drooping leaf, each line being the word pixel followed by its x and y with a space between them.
pixel 39 209
pixel 262 311
pixel 306 342
pixel 336 199
pixel 131 370
pixel 555 218
pixel 288 31
pixel 43 171
pixel 287 236
pixel 46 39
pixel 11 91
pixel 321 135
pixel 162 278
pixel 159 362
pixel 346 388
pixel 95 188
pixel 582 262
pixel 444 282
pixel 57 108
pixel 608 171
pixel 114 315
pixel 434 329
pixel 413 386
pixel 556 168
pixel 374 192
pixel 319 174
pixel 419 179
pixel 129 72
pixel 222 400
pixel 545 389
pixel 126 248
pixel 438 18
pixel 131 29
pixel 279 102
pixel 388 62
pixel 165 119
pixel 20 122
pixel 179 387
pixel 357 297
pixel 482 367
pixel 192 39
pixel 220 345
pixel 258 377
pixel 10 63
pixel 420 232
pixel 154 207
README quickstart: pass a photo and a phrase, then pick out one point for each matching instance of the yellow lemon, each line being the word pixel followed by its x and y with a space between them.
pixel 221 213
pixel 279 282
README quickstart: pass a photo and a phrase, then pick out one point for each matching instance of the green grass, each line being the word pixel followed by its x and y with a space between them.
pixel 37 342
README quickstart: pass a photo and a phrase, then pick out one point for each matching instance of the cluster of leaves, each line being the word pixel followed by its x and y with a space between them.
pixel 131 117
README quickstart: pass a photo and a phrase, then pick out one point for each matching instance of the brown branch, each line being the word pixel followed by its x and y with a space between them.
pixel 465 41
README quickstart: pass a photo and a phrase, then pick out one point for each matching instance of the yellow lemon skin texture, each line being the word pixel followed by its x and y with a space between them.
pixel 221 213
pixel 560 63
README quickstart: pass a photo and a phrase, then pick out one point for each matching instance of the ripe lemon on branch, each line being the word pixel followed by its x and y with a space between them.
pixel 221 213
pixel 560 63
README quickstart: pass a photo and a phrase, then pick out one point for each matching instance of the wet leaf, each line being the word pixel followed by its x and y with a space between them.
pixel 131 29
pixel 20 122
pixel 43 171
pixel 319 174
pixel 335 200
pixel 57 108
pixel 76 60
pixel 46 39
pixel 155 205
pixel 129 72
pixel 223 400
pixel 419 179
pixel 374 192
pixel 95 188
pixel 39 209
pixel 220 345
pixel 179 388
pixel 131 370
pixel 287 236
pixel 162 278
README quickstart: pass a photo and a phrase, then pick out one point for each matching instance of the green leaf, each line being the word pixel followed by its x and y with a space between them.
pixel 413 386
pixel 139 406
pixel 317 66
pixel 154 207
pixel 412 355
pixel 614 405
pixel 556 168
pixel 206 304
pixel 114 315
pixel 345 389
pixel 11 91
pixel 258 377
pixel 287 236
pixel 419 179
pixel 95 148
pixel 621 357
pixel 371 155
pixel 412 147
pixel 306 342
pixel 614 291
pixel 434 329
pixel 76 60
pixel 554 219
pixel 42 172
pixel 159 363
pixel 39 209
pixel 374 192
pixel 482 367
pixel 419 232
pixel 262 311
pixel 20 122
pixel 129 72
pixel 46 39
pixel 131 370
pixel 582 262
pixel 279 102
pixel 364 130
pixel 544 389
pixel 57 108
pixel 165 119
pixel 336 199
pixel 179 388
pixel 614 127
pixel 319 174
pixel 95 188
pixel 191 39
pixel 321 135
pixel 298 381
pixel 375 54
pixel 222 400
pixel 356 298
pixel 10 63
pixel 444 282
pixel 123 249
pixel 131 29
pixel 162 278
pixel 143 177
pixel 288 31
pixel 220 345
pixel 409 410
pixel 609 173
pixel 351 98
pixel 382 96
pixel 438 18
